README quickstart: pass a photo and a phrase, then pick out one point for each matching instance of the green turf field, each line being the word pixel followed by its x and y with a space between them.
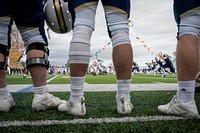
pixel 101 116
pixel 99 79
pixel 99 105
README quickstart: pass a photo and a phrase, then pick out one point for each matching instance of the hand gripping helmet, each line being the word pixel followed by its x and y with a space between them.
pixel 58 17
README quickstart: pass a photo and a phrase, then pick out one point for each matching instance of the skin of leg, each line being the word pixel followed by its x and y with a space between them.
pixel 187 58
pixel 3 81
pixel 78 70
pixel 123 60
pixel 198 76
pixel 38 72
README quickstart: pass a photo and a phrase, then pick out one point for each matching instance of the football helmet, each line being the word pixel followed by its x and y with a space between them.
pixel 58 17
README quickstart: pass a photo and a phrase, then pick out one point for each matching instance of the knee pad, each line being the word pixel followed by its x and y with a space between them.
pixel 38 60
pixel 82 17
pixel 4 50
pixel 79 51
pixel 120 38
pixel 189 25
pixel 118 28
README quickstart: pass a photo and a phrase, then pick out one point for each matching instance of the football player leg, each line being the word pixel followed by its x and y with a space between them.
pixel 79 56
pixel 117 14
pixel 183 103
pixel 6 100
pixel 32 31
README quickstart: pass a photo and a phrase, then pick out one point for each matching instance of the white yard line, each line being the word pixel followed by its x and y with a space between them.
pixel 26 88
pixel 113 87
pixel 90 121
pixel 101 87
pixel 52 78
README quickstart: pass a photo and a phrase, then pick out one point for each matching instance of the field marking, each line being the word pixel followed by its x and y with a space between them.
pixel 96 87
pixel 65 77
pixel 90 121
pixel 52 78
pixel 30 87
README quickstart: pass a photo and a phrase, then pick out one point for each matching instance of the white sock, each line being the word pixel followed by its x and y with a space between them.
pixel 4 91
pixel 123 89
pixel 77 85
pixel 40 90
pixel 186 90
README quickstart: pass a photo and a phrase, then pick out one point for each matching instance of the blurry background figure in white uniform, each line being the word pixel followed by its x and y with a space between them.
pixel 22 60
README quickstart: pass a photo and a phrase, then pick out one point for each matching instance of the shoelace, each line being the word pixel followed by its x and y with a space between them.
pixel 71 104
pixel 123 104
pixel 82 107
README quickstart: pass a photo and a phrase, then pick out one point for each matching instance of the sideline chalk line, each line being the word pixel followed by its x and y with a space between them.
pixel 30 88
pixel 91 121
